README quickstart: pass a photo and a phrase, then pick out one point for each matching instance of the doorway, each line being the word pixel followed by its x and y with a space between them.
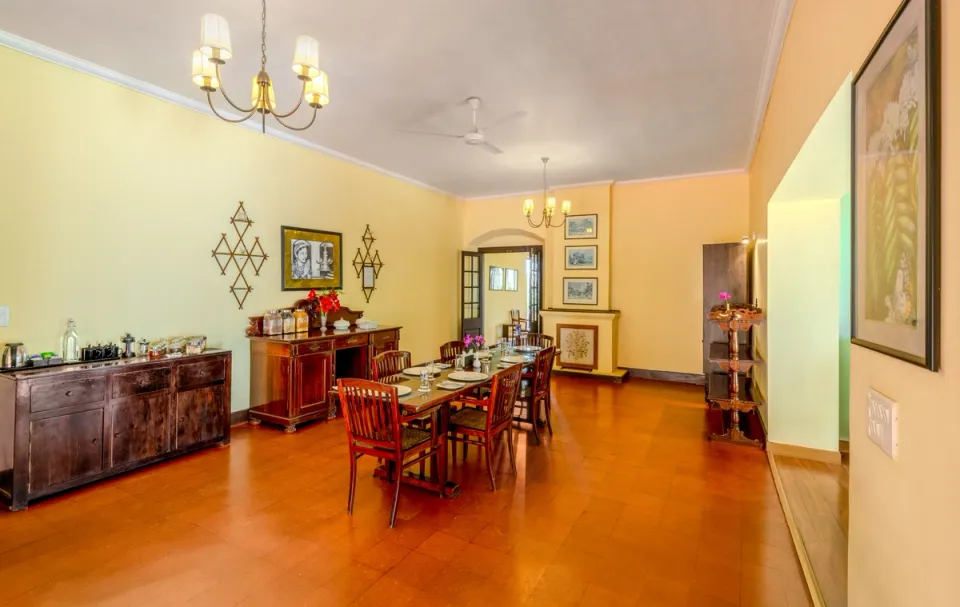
pixel 496 281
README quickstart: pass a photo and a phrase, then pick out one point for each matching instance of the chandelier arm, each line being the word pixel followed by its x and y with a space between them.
pixel 224 118
pixel 227 97
pixel 297 107
pixel 536 225
pixel 300 128
pixel 559 225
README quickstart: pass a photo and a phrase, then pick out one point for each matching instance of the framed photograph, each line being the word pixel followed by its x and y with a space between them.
pixel 580 226
pixel 496 278
pixel 581 258
pixel 578 346
pixel 312 259
pixel 510 279
pixel 580 291
pixel 896 193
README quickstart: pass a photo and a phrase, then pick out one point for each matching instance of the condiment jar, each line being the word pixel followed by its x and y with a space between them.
pixel 271 323
pixel 302 320
pixel 289 323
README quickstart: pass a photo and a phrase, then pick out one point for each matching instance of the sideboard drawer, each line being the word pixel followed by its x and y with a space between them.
pixel 70 393
pixel 385 337
pixel 191 375
pixel 312 347
pixel 350 341
pixel 140 382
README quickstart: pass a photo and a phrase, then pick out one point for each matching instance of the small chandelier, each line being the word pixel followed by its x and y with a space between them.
pixel 214 51
pixel 549 207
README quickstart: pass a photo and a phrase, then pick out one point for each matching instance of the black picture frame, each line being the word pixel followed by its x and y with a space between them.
pixel 930 359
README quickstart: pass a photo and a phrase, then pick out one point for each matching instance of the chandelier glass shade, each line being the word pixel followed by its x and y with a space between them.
pixel 549 206
pixel 215 49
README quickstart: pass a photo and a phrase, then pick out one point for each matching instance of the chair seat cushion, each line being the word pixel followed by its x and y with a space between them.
pixel 475 419
pixel 410 438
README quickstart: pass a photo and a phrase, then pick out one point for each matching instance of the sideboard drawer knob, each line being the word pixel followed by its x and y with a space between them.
pixel 95 441
pixel 69 393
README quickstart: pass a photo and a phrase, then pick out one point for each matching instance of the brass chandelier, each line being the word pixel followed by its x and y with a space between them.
pixel 215 49
pixel 549 206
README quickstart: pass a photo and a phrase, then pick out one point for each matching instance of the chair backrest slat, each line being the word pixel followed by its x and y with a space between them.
pixel 535 339
pixel 543 367
pixel 450 350
pixel 390 363
pixel 503 396
pixel 371 411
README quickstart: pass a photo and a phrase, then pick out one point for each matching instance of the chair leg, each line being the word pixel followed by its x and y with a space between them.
pixel 464 446
pixel 513 456
pixel 535 416
pixel 396 496
pixel 353 483
pixel 547 407
pixel 489 448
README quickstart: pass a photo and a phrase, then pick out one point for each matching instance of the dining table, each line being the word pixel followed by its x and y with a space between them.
pixel 435 405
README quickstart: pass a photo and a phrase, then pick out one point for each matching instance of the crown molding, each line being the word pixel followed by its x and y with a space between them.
pixel 552 188
pixel 45 53
pixel 782 12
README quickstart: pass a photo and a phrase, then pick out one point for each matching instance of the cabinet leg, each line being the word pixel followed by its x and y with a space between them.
pixel 289 429
pixel 253 421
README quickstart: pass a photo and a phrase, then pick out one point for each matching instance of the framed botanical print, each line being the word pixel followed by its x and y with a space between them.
pixel 312 259
pixel 580 226
pixel 578 346
pixel 580 258
pixel 510 279
pixel 896 194
pixel 580 291
pixel 496 278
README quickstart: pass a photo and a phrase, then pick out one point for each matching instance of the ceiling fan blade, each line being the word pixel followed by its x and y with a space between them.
pixel 505 119
pixel 491 148
pixel 431 133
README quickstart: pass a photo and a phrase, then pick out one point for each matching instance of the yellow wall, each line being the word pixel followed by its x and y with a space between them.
pixel 659 230
pixel 497 304
pixel 904 538
pixel 111 206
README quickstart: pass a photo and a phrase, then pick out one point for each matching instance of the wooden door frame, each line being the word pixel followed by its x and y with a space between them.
pixel 463 254
pixel 529 249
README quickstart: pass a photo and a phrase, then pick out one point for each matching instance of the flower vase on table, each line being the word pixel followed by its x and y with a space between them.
pixel 472 345
pixel 324 304
pixel 725 298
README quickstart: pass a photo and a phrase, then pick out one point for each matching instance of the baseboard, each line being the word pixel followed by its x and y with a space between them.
pixel 813 587
pixel 845 446
pixel 615 377
pixel 679 378
pixel 240 417
pixel 817 455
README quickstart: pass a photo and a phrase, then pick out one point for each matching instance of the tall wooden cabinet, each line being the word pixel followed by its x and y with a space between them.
pixel 291 376
pixel 67 426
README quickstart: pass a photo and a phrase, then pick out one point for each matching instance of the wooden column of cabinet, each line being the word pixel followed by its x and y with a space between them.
pixel 291 376
pixel 68 426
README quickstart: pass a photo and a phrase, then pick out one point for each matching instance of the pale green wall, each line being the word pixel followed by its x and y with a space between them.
pixel 846 253
pixel 803 374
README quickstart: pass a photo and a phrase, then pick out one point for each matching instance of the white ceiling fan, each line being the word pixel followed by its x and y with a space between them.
pixel 475 136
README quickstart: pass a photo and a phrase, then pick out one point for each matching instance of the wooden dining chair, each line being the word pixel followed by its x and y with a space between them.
pixel 520 325
pixel 481 427
pixel 537 384
pixel 392 362
pixel 450 350
pixel 371 411
pixel 540 340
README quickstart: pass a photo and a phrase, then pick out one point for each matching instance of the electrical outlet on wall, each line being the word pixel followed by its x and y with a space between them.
pixel 883 416
pixel 4 316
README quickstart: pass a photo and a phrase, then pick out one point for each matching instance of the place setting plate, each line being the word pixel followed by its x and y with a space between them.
pixel 415 371
pixel 403 391
pixel 530 349
pixel 450 385
pixel 468 376
pixel 516 359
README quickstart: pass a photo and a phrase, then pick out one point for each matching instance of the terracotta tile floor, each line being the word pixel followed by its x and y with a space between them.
pixel 625 505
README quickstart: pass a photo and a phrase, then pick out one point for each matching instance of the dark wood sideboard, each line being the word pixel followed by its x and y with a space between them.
pixel 72 425
pixel 291 376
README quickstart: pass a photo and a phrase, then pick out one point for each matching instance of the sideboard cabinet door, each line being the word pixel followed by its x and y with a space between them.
pixel 65 448
pixel 199 416
pixel 313 379
pixel 138 428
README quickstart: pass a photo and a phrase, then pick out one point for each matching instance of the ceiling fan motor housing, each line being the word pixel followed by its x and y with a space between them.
pixel 474 138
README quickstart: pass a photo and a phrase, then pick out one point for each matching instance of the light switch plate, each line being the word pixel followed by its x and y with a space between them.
pixel 883 417
pixel 4 316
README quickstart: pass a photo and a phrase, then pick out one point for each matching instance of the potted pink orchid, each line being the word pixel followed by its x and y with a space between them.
pixel 725 298
pixel 471 345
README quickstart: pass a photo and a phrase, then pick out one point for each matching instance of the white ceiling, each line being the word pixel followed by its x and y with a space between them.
pixel 614 89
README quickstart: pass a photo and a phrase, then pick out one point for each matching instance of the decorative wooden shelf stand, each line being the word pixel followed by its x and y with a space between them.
pixel 732 391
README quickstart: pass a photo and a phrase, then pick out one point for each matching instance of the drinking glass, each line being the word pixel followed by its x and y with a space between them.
pixel 424 380
pixel 458 363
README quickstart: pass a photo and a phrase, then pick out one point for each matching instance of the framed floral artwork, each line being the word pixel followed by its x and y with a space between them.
pixel 896 193
pixel 578 346
pixel 312 259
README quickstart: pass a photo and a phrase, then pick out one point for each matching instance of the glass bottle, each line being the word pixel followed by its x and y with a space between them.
pixel 289 323
pixel 302 320
pixel 70 343
pixel 271 323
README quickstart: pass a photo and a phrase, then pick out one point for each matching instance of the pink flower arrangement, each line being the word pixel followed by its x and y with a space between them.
pixel 473 342
pixel 724 296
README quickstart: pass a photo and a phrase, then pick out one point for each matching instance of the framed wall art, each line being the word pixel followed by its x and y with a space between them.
pixel 578 346
pixel 580 226
pixel 511 278
pixel 580 258
pixel 496 278
pixel 312 259
pixel 580 291
pixel 896 193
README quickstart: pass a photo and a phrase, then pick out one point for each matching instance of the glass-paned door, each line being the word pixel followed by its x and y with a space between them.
pixel 535 289
pixel 471 287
